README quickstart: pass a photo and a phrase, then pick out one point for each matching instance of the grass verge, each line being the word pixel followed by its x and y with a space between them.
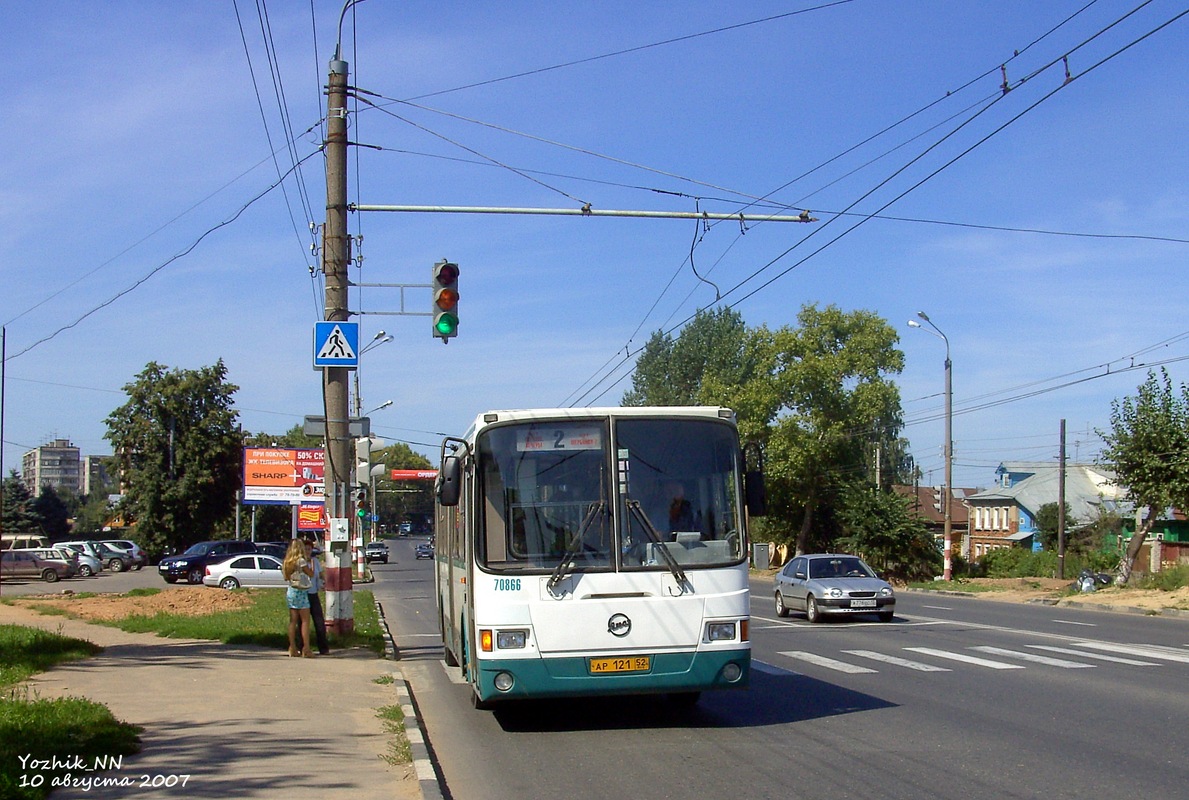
pixel 42 741
pixel 399 751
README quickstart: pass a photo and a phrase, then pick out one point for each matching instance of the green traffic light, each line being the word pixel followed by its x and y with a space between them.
pixel 446 324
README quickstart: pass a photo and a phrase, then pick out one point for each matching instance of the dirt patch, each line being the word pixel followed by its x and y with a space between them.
pixel 1023 590
pixel 183 600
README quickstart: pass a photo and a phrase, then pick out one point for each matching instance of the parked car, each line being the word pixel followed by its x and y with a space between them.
pixel 256 569
pixel 191 565
pixel 22 541
pixel 423 551
pixel 84 565
pixel 24 564
pixel 375 551
pixel 832 583
pixel 275 549
pixel 139 557
pixel 111 558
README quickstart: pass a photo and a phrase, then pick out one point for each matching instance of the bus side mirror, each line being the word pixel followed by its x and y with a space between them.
pixel 755 493
pixel 449 483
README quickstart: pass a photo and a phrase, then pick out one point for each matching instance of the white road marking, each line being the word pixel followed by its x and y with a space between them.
pixel 1097 656
pixel 829 663
pixel 1034 658
pixel 1071 622
pixel 981 662
pixel 1152 651
pixel 896 660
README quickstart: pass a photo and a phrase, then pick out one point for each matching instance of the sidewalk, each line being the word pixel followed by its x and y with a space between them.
pixel 241 722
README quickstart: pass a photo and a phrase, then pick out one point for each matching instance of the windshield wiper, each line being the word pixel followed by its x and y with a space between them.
pixel 666 556
pixel 567 561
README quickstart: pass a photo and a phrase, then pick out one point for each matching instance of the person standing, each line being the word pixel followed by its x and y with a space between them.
pixel 313 555
pixel 298 573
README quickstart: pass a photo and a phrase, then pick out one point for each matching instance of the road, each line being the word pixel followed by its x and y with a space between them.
pixel 956 698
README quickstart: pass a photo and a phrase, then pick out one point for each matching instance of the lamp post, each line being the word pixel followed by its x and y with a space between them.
pixel 377 340
pixel 948 531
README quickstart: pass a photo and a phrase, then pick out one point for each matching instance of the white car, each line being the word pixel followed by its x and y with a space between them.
pixel 250 569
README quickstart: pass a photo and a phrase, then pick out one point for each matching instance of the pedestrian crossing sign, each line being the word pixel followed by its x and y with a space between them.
pixel 336 344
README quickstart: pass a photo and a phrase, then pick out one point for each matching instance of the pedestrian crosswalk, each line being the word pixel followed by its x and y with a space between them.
pixel 1077 655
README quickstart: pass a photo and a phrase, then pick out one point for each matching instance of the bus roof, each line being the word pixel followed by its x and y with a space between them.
pixel 530 414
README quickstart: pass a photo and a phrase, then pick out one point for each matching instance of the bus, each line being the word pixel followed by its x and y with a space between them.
pixel 596 551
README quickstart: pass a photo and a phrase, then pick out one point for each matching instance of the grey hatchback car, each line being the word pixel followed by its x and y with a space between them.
pixel 832 583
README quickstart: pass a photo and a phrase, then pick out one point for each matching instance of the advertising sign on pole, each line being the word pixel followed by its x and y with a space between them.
pixel 283 476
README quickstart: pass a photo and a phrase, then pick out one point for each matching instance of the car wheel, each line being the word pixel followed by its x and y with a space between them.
pixel 886 616
pixel 194 576
pixel 86 571
pixel 49 576
pixel 115 565
pixel 229 583
pixel 781 609
pixel 812 613
pixel 138 567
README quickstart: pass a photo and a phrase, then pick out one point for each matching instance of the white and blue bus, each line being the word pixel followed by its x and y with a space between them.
pixel 595 551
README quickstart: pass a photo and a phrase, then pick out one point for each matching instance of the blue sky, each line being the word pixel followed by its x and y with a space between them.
pixel 135 128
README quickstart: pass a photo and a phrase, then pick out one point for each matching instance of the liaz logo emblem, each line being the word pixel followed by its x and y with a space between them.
pixel 619 625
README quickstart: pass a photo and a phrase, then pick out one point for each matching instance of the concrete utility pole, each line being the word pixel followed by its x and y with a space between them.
pixel 1061 507
pixel 336 255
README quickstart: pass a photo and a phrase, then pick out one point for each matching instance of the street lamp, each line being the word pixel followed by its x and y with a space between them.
pixel 377 340
pixel 947 536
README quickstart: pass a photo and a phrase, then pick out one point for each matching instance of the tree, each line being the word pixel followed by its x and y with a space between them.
pixel 397 500
pixel 818 396
pixel 1148 447
pixel 1046 525
pixel 52 512
pixel 18 513
pixel 179 454
pixel 883 528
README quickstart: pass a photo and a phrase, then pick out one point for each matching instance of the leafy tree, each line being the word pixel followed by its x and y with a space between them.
pixel 817 395
pixel 883 528
pixel 1046 525
pixel 179 452
pixel 18 513
pixel 1148 447
pixel 52 512
pixel 396 500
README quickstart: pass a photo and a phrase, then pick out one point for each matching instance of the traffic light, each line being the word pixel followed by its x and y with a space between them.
pixel 363 460
pixel 361 503
pixel 445 300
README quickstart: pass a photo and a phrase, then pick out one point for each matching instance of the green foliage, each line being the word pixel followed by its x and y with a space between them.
pixel 1148 447
pixel 1016 562
pixel 818 396
pixel 180 454
pixel 883 529
pixel 42 729
pixel 52 512
pixel 1167 580
pixel 18 513
pixel 1047 522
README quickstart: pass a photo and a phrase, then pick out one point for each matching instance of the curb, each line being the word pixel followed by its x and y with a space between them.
pixel 1143 612
pixel 427 778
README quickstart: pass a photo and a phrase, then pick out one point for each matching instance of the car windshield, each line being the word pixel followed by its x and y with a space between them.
pixel 199 549
pixel 842 567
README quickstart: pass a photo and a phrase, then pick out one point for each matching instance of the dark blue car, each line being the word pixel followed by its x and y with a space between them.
pixel 191 565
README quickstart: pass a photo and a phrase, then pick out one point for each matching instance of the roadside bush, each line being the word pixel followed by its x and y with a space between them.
pixel 1166 581
pixel 1016 562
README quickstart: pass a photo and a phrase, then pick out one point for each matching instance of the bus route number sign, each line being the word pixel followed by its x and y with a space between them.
pixel 599 666
pixel 546 438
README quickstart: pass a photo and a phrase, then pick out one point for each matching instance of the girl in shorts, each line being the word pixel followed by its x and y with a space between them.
pixel 298 574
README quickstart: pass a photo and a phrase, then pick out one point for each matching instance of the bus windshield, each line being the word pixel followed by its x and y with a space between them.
pixel 583 496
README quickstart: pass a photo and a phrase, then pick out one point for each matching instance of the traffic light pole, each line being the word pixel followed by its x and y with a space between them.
pixel 336 255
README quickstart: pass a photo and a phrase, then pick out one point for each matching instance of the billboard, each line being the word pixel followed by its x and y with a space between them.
pixel 283 476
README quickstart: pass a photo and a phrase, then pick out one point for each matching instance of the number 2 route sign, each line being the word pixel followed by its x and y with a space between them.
pixel 336 344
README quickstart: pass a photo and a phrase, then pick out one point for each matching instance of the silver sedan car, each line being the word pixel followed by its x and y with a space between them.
pixel 832 583
pixel 254 570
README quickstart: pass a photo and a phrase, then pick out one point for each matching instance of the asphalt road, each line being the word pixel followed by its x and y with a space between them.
pixel 956 698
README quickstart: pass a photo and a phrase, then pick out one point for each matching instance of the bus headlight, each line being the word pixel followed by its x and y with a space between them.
pixel 510 640
pixel 732 672
pixel 720 631
pixel 503 681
